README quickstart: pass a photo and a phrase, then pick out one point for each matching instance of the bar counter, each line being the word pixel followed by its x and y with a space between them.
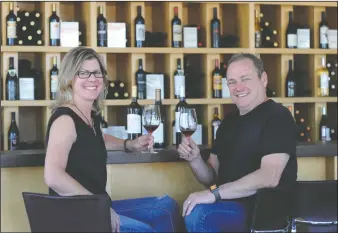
pixel 29 158
pixel 133 175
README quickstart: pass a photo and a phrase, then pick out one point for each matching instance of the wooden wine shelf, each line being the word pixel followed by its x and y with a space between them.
pixel 151 50
pixel 319 3
pixel 125 102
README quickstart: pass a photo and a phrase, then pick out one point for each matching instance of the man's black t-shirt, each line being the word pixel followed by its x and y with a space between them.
pixel 243 140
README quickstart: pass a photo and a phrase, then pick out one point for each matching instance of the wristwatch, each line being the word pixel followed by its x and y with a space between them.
pixel 214 189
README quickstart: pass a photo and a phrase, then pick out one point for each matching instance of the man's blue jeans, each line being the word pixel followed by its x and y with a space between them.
pixel 150 214
pixel 222 216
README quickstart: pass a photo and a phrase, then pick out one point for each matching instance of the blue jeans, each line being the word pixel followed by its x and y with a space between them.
pixel 150 214
pixel 222 216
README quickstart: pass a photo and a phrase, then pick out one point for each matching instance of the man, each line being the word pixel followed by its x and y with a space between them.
pixel 255 148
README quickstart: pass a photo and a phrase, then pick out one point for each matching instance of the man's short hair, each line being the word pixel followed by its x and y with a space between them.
pixel 255 60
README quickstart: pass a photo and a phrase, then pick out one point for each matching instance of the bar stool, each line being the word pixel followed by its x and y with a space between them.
pixel 316 207
pixel 87 213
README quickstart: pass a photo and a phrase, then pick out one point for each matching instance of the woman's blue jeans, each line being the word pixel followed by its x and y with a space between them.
pixel 222 216
pixel 150 214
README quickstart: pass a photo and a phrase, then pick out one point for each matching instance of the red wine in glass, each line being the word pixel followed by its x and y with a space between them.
pixel 150 128
pixel 188 132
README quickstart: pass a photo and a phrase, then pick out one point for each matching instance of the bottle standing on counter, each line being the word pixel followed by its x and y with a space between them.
pixel 179 78
pixel 182 104
pixel 176 30
pixel 217 81
pixel 54 28
pixel 101 29
pixel 215 124
pixel 215 30
pixel 324 130
pixel 54 72
pixel 159 132
pixel 290 82
pixel 258 33
pixel 323 76
pixel 140 77
pixel 12 82
pixel 13 134
pixel 140 30
pixel 323 32
pixel 11 26
pixel 291 33
pixel 134 117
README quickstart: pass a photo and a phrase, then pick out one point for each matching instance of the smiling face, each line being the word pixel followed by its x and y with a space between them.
pixel 247 90
pixel 89 88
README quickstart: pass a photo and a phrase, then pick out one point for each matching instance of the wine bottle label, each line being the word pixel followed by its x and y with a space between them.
pixel 13 142
pixel 257 39
pixel 140 32
pixel 133 123
pixel 215 129
pixel 324 131
pixel 324 80
pixel 177 32
pixel 11 29
pixel 177 122
pixel 158 134
pixel 11 90
pixel 292 40
pixel 54 30
pixel 12 72
pixel 217 82
pixel 53 83
pixel 26 88
pixel 179 80
pixel 323 35
pixel 225 89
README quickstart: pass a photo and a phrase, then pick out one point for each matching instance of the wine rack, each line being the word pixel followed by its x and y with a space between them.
pixel 237 21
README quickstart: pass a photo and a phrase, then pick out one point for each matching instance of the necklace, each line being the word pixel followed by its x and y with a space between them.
pixel 88 122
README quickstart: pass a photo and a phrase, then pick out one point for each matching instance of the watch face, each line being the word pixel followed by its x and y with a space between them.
pixel 213 187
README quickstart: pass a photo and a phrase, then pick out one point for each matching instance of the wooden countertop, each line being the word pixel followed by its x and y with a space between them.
pixel 29 158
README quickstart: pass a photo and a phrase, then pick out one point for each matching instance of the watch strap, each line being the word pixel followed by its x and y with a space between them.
pixel 216 194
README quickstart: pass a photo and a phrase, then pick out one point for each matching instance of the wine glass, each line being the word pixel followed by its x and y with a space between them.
pixel 151 119
pixel 188 121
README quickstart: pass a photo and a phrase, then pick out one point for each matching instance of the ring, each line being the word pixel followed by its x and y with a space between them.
pixel 189 202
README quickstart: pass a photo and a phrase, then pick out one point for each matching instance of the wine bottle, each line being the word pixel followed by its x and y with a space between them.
pixel 323 32
pixel 101 29
pixel 54 72
pixel 12 82
pixel 179 78
pixel 176 29
pixel 217 81
pixel 323 78
pixel 215 124
pixel 54 28
pixel 291 33
pixel 141 81
pixel 159 132
pixel 324 130
pixel 104 124
pixel 290 82
pixel 215 30
pixel 13 134
pixel 182 104
pixel 134 116
pixel 11 26
pixel 140 30
pixel 258 35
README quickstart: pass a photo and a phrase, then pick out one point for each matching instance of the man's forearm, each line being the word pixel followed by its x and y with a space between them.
pixel 245 186
pixel 202 171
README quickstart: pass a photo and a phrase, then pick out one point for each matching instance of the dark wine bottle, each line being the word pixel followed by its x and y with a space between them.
pixel 159 139
pixel 258 33
pixel 217 81
pixel 140 31
pixel 13 134
pixel 176 29
pixel 182 104
pixel 101 29
pixel 54 28
pixel 179 78
pixel 323 32
pixel 134 116
pixel 215 30
pixel 54 72
pixel 11 26
pixel 324 130
pixel 291 33
pixel 141 81
pixel 215 124
pixel 290 82
pixel 12 82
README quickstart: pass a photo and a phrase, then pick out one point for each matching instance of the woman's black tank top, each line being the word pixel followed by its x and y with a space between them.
pixel 88 156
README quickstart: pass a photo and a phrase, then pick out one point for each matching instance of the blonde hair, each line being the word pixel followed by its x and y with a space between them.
pixel 69 67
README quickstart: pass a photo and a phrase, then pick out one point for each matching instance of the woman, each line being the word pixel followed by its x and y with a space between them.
pixel 76 155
